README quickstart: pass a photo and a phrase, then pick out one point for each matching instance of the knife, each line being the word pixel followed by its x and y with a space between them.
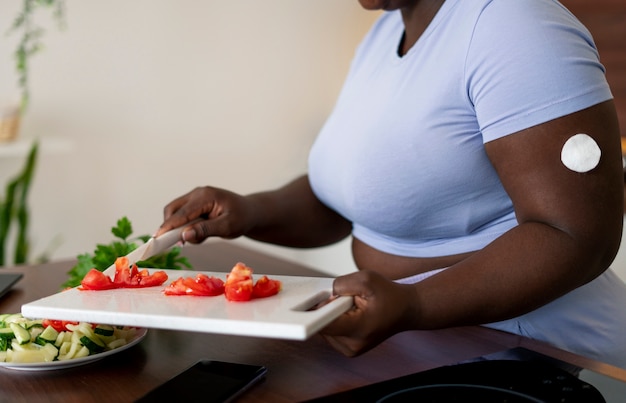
pixel 151 247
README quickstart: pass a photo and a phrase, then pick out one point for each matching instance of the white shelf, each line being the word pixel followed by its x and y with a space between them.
pixel 47 145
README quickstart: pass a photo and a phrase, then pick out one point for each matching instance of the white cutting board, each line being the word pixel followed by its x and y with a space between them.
pixel 282 316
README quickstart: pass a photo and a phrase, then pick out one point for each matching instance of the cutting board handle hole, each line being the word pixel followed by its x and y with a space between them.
pixel 314 302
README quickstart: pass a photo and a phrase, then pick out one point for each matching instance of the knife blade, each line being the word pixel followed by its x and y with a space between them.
pixel 151 247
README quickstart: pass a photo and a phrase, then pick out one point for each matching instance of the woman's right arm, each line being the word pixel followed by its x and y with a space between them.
pixel 289 216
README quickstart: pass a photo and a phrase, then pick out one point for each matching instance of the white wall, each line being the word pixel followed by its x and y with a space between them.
pixel 160 96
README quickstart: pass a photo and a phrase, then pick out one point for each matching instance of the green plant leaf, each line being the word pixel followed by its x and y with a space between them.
pixel 22 244
pixel 105 255
pixel 123 229
pixel 76 274
pixel 15 208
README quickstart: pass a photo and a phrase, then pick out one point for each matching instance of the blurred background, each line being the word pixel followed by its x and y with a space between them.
pixel 137 102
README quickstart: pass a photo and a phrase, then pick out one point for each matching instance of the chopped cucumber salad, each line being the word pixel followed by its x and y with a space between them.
pixel 25 340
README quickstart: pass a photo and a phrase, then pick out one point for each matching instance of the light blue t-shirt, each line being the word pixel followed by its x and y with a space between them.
pixel 402 155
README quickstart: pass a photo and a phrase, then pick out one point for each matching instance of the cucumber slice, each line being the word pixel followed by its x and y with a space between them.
pixel 116 344
pixel 49 335
pixel 82 352
pixel 13 317
pixel 34 323
pixel 85 328
pixel 34 332
pixel 50 352
pixel 104 330
pixel 60 339
pixel 7 333
pixel 93 344
pixel 68 350
pixel 21 335
pixel 30 356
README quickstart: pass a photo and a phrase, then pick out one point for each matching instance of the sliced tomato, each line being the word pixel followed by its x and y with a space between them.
pixel 206 285
pixel 129 276
pixel 126 276
pixel 176 287
pixel 239 285
pixel 266 287
pixel 238 291
pixel 201 285
pixel 96 280
pixel 152 280
pixel 239 272
pixel 58 325
pixel 124 273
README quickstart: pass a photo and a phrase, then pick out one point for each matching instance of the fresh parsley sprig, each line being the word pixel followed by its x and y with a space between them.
pixel 105 255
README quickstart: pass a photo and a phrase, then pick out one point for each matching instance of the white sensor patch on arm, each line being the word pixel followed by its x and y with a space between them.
pixel 580 153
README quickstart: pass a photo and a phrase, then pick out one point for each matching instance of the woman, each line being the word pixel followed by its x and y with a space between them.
pixel 474 157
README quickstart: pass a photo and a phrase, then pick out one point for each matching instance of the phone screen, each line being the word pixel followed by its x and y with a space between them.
pixel 7 280
pixel 207 381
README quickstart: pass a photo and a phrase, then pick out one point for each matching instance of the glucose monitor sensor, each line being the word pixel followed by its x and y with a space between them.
pixel 580 153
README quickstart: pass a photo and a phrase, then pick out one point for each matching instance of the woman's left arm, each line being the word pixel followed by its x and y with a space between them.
pixel 580 213
pixel 570 226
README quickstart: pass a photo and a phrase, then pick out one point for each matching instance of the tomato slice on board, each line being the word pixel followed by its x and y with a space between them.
pixel 205 285
pixel 238 291
pixel 123 271
pixel 153 280
pixel 239 285
pixel 96 280
pixel 126 276
pixel 266 287
pixel 201 285
pixel 239 272
pixel 129 276
pixel 176 287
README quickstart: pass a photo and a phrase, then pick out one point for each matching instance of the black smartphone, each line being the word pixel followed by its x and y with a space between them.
pixel 207 381
pixel 7 280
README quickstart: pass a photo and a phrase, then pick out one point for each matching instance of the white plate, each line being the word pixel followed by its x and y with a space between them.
pixel 45 366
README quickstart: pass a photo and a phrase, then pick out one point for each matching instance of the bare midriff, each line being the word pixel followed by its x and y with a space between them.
pixel 396 267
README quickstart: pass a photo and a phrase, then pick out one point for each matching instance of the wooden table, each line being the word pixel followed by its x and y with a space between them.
pixel 296 370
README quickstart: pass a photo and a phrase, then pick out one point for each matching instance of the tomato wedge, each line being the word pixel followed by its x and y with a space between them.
pixel 123 271
pixel 266 287
pixel 58 325
pixel 239 285
pixel 239 291
pixel 239 272
pixel 129 276
pixel 201 285
pixel 96 280
pixel 145 279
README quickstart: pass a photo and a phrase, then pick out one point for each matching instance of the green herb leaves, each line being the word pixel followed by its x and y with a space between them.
pixel 105 255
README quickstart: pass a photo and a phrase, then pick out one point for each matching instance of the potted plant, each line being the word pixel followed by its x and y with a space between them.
pixel 29 44
pixel 30 39
pixel 14 213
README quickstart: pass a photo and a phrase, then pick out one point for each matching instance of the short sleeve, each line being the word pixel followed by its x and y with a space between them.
pixel 527 65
